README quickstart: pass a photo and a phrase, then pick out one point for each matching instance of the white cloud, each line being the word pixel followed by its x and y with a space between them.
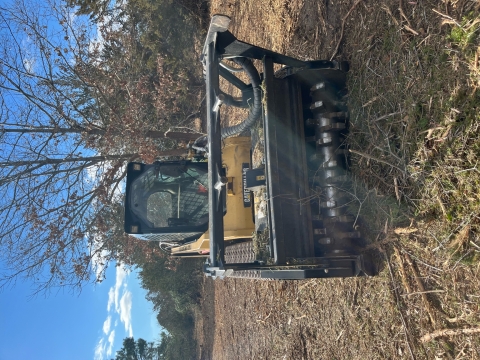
pixel 28 54
pixel 119 305
pixel 126 312
pixel 106 325
pixel 99 262
pixel 111 339
pixel 111 298
pixel 29 65
pixel 119 283
pixel 99 350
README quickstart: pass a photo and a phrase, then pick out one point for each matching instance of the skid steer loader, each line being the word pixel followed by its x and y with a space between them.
pixel 203 206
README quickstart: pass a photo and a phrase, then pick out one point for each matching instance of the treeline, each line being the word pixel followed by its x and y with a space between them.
pixel 173 286
pixel 143 350
pixel 81 109
pixel 74 110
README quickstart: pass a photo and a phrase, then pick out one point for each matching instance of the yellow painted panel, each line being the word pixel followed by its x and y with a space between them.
pixel 238 221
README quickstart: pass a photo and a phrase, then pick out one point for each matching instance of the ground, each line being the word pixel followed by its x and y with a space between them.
pixel 414 144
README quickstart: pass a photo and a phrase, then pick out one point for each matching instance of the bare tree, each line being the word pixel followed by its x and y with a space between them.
pixel 72 112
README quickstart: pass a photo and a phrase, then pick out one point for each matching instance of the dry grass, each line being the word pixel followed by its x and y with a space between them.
pixel 414 124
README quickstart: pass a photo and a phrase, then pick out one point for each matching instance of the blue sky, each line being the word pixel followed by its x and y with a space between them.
pixel 65 326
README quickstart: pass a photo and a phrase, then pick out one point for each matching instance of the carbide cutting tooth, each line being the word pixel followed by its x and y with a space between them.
pixel 325 140
pixel 326 118
pixel 328 204
pixel 330 164
pixel 320 231
pixel 317 105
pixel 325 241
pixel 333 126
pixel 318 86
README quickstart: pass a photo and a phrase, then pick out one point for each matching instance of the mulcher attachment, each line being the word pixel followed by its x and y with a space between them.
pixel 305 124
pixel 305 119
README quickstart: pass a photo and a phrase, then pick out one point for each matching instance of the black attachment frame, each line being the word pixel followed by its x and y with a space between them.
pixel 221 44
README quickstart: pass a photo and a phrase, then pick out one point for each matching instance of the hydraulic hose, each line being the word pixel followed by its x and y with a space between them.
pixel 201 144
pixel 256 109
pixel 231 101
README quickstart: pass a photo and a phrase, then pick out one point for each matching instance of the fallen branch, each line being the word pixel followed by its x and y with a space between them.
pixel 405 231
pixel 403 273
pixel 390 13
pixel 397 298
pixel 448 332
pixel 411 30
pixel 448 17
pixel 424 292
pixel 375 159
pixel 409 27
pixel 383 117
pixel 397 190
pixel 422 289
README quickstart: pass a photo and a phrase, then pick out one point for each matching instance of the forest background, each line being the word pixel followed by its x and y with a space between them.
pixel 87 86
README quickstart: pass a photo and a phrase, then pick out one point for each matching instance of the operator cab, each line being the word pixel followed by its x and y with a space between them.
pixel 167 201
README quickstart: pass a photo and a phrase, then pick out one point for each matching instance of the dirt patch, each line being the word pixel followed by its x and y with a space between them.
pixel 293 320
pixel 414 138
